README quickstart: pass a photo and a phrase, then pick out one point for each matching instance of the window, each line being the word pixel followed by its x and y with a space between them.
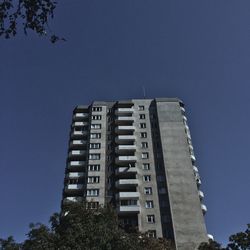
pixel 144 155
pixel 146 166
pixel 93 179
pixel 94 156
pixel 144 145
pixel 94 167
pixel 96 117
pixel 143 135
pixel 151 233
pixel 141 108
pixel 151 218
pixel 97 109
pixel 95 135
pixel 96 126
pixel 149 204
pixel 142 116
pixel 93 205
pixel 146 177
pixel 95 145
pixel 128 202
pixel 92 192
pixel 142 125
pixel 148 190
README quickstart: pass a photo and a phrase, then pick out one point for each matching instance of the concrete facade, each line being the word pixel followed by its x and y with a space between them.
pixel 137 154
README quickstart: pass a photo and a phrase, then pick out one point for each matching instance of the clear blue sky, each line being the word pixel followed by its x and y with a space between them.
pixel 196 50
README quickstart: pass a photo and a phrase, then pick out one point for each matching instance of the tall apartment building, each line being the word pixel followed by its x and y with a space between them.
pixel 137 154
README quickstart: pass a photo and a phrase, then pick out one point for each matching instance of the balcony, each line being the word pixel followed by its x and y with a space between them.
pixel 80 116
pixel 124 138
pixel 124 111
pixel 124 119
pixel 203 208
pixel 73 188
pixel 201 195
pixel 77 143
pixel 127 195
pixel 210 237
pixel 75 175
pixel 76 165
pixel 124 129
pixel 125 159
pixel 125 148
pixel 128 209
pixel 79 124
pixel 72 199
pixel 193 157
pixel 125 183
pixel 77 153
pixel 125 170
pixel 78 134
pixel 195 169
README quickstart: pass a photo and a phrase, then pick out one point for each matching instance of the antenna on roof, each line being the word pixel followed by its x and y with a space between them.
pixel 144 92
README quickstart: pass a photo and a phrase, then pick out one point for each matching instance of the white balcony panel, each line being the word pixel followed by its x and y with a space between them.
pixel 210 237
pixel 74 187
pixel 76 164
pixel 121 119
pixel 78 142
pixel 79 124
pixel 125 159
pixel 122 138
pixel 125 148
pixel 128 195
pixel 81 115
pixel 124 111
pixel 124 129
pixel 126 182
pixel 75 175
pixel 72 199
pixel 124 170
pixel 128 209
pixel 78 152
pixel 204 208
pixel 201 194
pixel 195 169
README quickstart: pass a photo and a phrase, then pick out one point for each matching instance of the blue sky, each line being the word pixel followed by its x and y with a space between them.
pixel 195 50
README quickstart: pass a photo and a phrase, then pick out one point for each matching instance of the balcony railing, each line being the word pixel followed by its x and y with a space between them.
pixel 123 129
pixel 201 195
pixel 125 159
pixel 122 138
pixel 127 195
pixel 120 148
pixel 73 187
pixel 124 111
pixel 72 199
pixel 75 165
pixel 124 183
pixel 125 170
pixel 75 175
pixel 79 124
pixel 80 116
pixel 77 153
pixel 128 209
pixel 203 208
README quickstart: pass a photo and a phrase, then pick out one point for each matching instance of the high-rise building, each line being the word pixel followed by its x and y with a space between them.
pixel 137 154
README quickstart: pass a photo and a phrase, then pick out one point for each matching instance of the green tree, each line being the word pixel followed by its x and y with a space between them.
pixel 28 15
pixel 9 244
pixel 80 228
pixel 211 245
pixel 240 241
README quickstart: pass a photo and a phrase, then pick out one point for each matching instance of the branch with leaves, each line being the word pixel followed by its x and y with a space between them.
pixel 27 15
